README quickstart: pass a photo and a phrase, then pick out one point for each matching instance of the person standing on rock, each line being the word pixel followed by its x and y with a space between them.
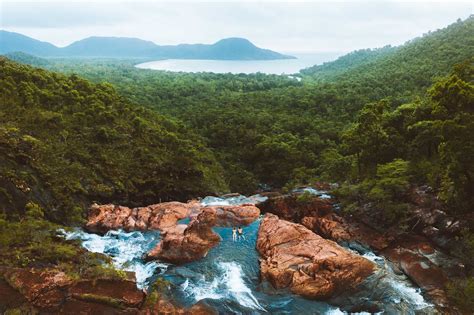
pixel 234 234
pixel 241 233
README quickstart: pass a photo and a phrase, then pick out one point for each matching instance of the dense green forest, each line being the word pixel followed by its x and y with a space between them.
pixel 257 123
pixel 65 142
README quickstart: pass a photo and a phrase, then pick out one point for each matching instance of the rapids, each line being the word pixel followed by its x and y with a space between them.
pixel 228 277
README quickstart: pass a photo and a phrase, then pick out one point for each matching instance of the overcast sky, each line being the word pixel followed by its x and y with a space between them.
pixel 309 26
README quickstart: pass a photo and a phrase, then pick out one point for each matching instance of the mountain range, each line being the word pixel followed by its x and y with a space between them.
pixel 124 47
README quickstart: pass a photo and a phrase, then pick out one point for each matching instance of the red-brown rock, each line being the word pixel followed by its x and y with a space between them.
pixel 42 288
pixel 162 216
pixel 330 227
pixel 410 256
pixel 50 291
pixel 165 307
pixel 307 264
pixel 181 243
pixel 339 229
pixel 73 306
pixel 289 207
pixel 234 215
pixel 103 218
pixel 123 293
pixel 9 298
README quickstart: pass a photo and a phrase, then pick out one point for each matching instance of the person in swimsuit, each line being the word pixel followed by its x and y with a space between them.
pixel 234 234
pixel 241 232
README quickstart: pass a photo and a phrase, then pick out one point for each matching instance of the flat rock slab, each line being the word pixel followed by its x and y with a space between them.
pixel 296 258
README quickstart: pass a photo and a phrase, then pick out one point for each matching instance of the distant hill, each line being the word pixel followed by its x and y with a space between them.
pixel 109 47
pixel 13 42
pixel 225 49
pixel 124 47
pixel 347 62
pixel 411 65
pixel 27 59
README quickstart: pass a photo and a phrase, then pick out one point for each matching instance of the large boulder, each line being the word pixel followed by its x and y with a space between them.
pixel 119 293
pixel 420 261
pixel 103 218
pixel 331 227
pixel 44 289
pixel 294 257
pixel 292 208
pixel 182 244
pixel 51 291
pixel 234 215
pixel 345 230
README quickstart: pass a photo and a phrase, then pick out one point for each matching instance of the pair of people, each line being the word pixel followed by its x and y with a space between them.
pixel 240 232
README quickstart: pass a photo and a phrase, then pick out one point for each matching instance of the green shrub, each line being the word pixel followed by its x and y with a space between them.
pixel 385 193
pixel 461 293
pixel 305 198
pixel 34 241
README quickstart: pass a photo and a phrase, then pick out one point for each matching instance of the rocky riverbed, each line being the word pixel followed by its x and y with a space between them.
pixel 298 258
pixel 275 269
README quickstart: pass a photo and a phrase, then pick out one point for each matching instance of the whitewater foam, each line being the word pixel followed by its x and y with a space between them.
pixel 125 249
pixel 229 283
pixel 232 201
pixel 320 193
pixel 405 292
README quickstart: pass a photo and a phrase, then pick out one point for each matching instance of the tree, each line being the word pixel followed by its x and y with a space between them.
pixel 367 138
pixel 452 118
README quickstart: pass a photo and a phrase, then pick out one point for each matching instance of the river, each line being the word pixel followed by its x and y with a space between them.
pixel 228 277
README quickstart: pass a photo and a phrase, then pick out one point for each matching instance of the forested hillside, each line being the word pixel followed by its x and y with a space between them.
pixel 330 70
pixel 65 142
pixel 402 71
pixel 258 123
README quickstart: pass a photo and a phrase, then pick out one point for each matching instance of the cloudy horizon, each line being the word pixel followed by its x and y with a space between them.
pixel 310 26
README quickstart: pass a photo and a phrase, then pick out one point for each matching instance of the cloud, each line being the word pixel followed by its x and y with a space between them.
pixel 59 14
pixel 283 26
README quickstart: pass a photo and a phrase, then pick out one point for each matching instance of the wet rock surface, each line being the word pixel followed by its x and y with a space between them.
pixel 234 215
pixel 120 293
pixel 180 243
pixel 41 288
pixel 185 243
pixel 289 207
pixel 162 216
pixel 103 218
pixel 318 215
pixel 49 291
pixel 294 257
pixel 416 257
pixel 419 253
pixel 53 292
pixel 296 265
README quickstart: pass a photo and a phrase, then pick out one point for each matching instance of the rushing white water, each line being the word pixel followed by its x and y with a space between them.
pixel 234 200
pixel 320 193
pixel 125 249
pixel 229 283
pixel 403 290
pixel 228 277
